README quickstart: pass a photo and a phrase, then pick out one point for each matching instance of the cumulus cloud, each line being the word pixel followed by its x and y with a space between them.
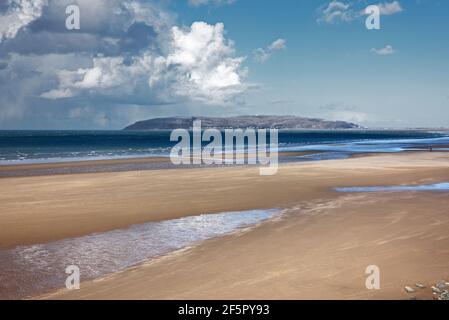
pixel 19 14
pixel 338 11
pixel 264 54
pixel 204 63
pixel 390 8
pixel 335 12
pixel 127 53
pixel 110 27
pixel 200 65
pixel 278 44
pixel 387 50
pixel 106 74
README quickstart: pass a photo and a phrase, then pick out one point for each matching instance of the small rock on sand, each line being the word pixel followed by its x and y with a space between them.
pixel 436 290
pixel 441 285
pixel 444 295
pixel 409 289
pixel 421 286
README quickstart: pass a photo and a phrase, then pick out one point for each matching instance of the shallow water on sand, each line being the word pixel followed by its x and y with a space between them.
pixel 35 269
pixel 430 187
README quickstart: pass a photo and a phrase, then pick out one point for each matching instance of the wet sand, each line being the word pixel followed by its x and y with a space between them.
pixel 109 165
pixel 46 208
pixel 320 249
pixel 28 271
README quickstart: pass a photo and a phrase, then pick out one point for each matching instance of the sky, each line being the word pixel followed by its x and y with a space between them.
pixel 138 59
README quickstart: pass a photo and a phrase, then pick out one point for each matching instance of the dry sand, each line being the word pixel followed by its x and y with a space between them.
pixel 319 249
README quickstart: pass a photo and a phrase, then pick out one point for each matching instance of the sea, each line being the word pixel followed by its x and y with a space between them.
pixel 29 147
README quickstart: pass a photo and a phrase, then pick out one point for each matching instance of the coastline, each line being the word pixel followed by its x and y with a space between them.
pixel 110 165
pixel 318 250
pixel 40 209
pixel 47 208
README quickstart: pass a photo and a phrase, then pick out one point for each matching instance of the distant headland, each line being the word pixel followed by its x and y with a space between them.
pixel 242 122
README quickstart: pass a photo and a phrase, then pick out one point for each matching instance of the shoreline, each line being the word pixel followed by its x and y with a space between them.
pixel 151 241
pixel 80 204
pixel 260 263
pixel 48 208
pixel 109 165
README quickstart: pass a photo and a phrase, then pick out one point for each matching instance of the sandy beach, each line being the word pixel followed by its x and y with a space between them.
pixel 224 150
pixel 318 249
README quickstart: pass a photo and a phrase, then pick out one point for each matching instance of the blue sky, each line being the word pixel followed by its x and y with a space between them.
pixel 134 60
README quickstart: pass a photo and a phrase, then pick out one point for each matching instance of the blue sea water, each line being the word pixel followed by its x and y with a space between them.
pixel 53 146
pixel 424 187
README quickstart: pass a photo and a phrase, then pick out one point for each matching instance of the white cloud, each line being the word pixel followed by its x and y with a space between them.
pixel 19 14
pixel 278 44
pixel 390 8
pixel 339 11
pixel 335 12
pixel 263 54
pixel 57 94
pixel 106 75
pixel 128 53
pixel 200 65
pixel 387 50
pixel 148 14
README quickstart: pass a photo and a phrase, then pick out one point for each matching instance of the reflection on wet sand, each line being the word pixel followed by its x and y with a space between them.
pixel 34 269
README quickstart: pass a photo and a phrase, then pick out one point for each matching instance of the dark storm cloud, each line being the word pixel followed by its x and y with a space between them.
pixel 126 55
pixel 30 61
pixel 107 27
